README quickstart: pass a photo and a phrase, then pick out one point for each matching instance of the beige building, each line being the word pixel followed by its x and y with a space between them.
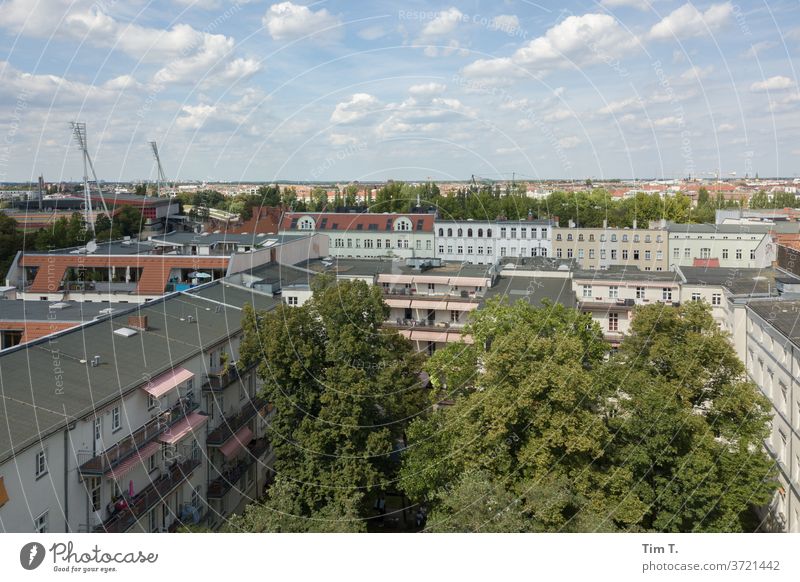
pixel 600 248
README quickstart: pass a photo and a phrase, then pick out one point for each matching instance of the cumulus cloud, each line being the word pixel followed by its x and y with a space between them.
pixel 288 21
pixel 638 4
pixel 439 31
pixel 569 142
pixel 687 21
pixel 355 109
pixel 777 83
pixel 725 128
pixel 427 89
pixel 577 40
pixel 507 23
pixel 696 73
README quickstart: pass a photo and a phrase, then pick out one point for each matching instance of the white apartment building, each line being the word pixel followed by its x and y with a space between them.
pixel 485 242
pixel 720 245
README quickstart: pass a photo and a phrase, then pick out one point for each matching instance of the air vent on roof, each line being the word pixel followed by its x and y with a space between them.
pixel 95 361
pixel 125 331
pixel 190 318
pixel 106 311
pixel 59 305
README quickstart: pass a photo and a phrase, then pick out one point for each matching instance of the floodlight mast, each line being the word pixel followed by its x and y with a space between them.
pixel 162 178
pixel 79 133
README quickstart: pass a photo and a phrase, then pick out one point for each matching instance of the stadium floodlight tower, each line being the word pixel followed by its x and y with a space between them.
pixel 79 132
pixel 162 178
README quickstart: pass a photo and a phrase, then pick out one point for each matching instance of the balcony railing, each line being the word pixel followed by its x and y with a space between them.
pixel 113 456
pixel 219 378
pixel 231 424
pixel 425 325
pixel 230 477
pixel 149 497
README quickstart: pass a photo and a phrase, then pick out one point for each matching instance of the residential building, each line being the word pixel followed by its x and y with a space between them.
pixel 485 242
pixel 366 235
pixel 601 248
pixel 720 245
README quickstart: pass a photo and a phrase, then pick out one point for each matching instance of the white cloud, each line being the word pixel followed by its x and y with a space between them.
pixel 222 116
pixel 508 23
pixel 725 128
pixel 443 24
pixel 354 109
pixel 638 4
pixel 569 142
pixel 670 121
pixel 287 21
pixel 342 139
pixel 696 73
pixel 559 115
pixel 372 33
pixel 577 40
pixel 427 89
pixel 687 21
pixel 759 47
pixel 622 105
pixel 777 83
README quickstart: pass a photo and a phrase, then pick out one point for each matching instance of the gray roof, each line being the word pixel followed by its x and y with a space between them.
pixel 621 273
pixel 533 289
pixel 370 267
pixel 742 282
pixel 44 385
pixel 783 315
pixel 187 238
pixel 64 311
pixel 538 263
pixel 739 229
pixel 496 222
pixel 118 247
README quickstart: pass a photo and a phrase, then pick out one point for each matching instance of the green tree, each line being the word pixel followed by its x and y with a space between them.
pixel 689 424
pixel 341 386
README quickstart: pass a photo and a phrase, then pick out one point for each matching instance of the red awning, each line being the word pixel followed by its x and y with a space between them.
pixel 421 304
pixel 183 427
pixel 461 306
pixel 432 336
pixel 395 278
pixel 137 458
pixel 441 279
pixel 159 386
pixel 237 442
pixel 401 303
pixel 469 282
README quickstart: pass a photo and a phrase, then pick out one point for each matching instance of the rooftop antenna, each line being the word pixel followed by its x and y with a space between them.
pixel 161 176
pixel 79 132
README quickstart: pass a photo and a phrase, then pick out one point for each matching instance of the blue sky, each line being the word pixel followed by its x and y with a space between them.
pixel 263 90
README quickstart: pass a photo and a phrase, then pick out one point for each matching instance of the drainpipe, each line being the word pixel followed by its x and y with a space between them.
pixel 66 477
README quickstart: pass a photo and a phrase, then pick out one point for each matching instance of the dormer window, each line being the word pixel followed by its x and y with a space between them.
pixel 305 223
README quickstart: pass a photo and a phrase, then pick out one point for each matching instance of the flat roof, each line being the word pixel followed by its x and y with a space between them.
pixel 783 315
pixel 370 267
pixel 533 290
pixel 742 282
pixel 621 273
pixel 117 247
pixel 718 228
pixel 58 311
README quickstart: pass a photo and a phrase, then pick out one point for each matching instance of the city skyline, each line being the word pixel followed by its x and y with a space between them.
pixel 263 91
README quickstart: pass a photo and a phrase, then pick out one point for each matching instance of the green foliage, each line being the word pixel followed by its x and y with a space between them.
pixel 342 388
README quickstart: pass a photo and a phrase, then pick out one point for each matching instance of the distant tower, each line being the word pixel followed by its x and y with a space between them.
pixel 79 132
pixel 161 176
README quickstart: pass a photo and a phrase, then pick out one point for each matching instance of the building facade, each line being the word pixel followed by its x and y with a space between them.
pixel 601 248
pixel 485 242
pixel 721 245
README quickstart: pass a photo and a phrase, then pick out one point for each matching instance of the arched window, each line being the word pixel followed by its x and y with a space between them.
pixel 460 232
pixel 480 232
pixel 469 232
pixel 449 232
pixel 441 232
pixel 489 232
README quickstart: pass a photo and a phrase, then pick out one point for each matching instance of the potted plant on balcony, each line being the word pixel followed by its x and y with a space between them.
pixel 225 364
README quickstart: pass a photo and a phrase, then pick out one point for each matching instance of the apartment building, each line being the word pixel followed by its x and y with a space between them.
pixel 601 248
pixel 485 242
pixel 742 246
pixel 611 295
pixel 367 235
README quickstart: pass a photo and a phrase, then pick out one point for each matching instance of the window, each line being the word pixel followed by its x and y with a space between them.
pixel 116 419
pixel 94 486
pixel 602 253
pixel 480 250
pixel 725 253
pixel 152 520
pixel 614 254
pixel 454 315
pixel 441 232
pixel 291 301
pixel 449 232
pixel 659 255
pixel 695 296
pixel 469 232
pixel 613 321
pixel 569 236
pixel 624 238
pixel 460 249
pixel 624 254
pixel 513 232
pixel 558 236
pixel 569 253
pixel 580 254
pixel 441 249
pixel 460 232
pixel 469 250
pixel 40 523
pixel 635 254
pixel 358 243
pixel 613 292
pixel 752 254
pixel 544 252
pixel 647 255
pixel 687 253
pixel 523 233
pixel 388 244
pixel 676 254
pixel 602 238
pixel 716 299
pixel 666 294
pixel 558 253
pixel 647 238
pixel 98 429
pixel 705 253
pixel 591 238
pixel 502 251
pixel 428 244
pixel 587 291
pixel 640 293
pixel 152 402
pixel 738 253
pixel 41 463
pixel 349 243
pixel 613 238
pixel 580 237
pixel 591 253
pixel 480 232
pixel 379 243
pixel 151 463
pixel 449 249
pixel 502 232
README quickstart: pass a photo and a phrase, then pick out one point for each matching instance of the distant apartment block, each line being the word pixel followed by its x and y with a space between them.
pixel 485 242
pixel 721 245
pixel 601 248
pixel 366 235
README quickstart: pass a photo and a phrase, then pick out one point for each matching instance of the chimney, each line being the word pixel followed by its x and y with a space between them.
pixel 138 322
pixel 634 224
pixel 605 223
pixel 571 223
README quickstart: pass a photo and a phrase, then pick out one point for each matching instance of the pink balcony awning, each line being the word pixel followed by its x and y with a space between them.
pixel 461 306
pixel 183 427
pixel 419 304
pixel 469 282
pixel 139 457
pixel 237 442
pixel 162 384
pixel 395 279
pixel 401 303
pixel 405 333
pixel 431 336
pixel 441 279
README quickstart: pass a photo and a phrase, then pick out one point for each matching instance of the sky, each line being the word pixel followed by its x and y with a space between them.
pixel 333 90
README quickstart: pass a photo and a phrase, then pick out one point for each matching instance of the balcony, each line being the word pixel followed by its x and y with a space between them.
pixel 222 484
pixel 231 424
pixel 219 378
pixel 124 449
pixel 149 497
pixel 425 324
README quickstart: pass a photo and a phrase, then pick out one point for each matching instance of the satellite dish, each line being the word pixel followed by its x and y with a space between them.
pixel 91 246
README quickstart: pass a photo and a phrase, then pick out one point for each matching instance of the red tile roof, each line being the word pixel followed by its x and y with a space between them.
pixel 367 221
